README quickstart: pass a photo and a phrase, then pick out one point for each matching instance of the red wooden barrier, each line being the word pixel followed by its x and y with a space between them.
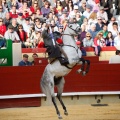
pixel 26 80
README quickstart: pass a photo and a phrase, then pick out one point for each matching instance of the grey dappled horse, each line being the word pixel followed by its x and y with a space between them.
pixel 54 73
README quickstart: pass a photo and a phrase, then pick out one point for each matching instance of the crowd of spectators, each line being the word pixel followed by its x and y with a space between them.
pixel 24 20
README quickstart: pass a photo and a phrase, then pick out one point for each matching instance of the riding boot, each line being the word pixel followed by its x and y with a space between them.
pixel 63 60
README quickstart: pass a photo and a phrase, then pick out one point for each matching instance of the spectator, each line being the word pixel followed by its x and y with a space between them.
pixel 34 56
pixel 14 24
pixel 34 7
pixel 40 40
pixel 10 34
pixel 25 61
pixel 12 3
pixel 101 13
pixel 93 31
pixel 31 37
pixel 115 29
pixel 38 14
pixel 2 28
pixel 22 35
pixel 59 7
pixel 45 9
pixel 20 3
pixel 104 31
pixel 13 12
pixel 82 8
pixel 74 12
pixel 26 25
pixel 106 4
pixel 117 40
pixel 20 19
pixel 69 6
pixel 64 15
pixel 88 41
pixel 109 39
pixel 110 25
pixel 92 18
pixel 38 25
pixel 82 35
pixel 87 12
pixel 114 6
pixel 3 12
pixel 99 24
pixel 5 4
pixel 81 18
pixel 50 16
pixel 7 19
pixel 85 22
pixel 99 42
pixel 25 10
pixel 116 58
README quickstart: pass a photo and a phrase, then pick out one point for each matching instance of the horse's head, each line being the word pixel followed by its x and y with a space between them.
pixel 74 28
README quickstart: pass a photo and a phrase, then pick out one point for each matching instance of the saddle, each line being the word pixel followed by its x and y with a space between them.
pixel 55 53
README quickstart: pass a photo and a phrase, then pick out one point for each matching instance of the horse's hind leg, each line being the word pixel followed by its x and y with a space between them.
pixel 60 87
pixel 47 85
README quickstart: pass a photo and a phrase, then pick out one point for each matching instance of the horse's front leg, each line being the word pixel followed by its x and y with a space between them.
pixel 81 70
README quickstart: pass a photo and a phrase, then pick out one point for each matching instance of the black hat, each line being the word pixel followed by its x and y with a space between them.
pixel 25 55
pixel 20 14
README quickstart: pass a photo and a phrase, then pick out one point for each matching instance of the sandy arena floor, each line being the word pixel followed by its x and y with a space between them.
pixel 76 112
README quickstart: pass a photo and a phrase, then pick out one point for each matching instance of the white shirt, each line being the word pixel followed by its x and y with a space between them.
pixel 103 15
pixel 114 59
pixel 87 14
pixel 117 41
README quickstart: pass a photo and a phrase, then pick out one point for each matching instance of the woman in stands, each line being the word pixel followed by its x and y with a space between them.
pixel 2 28
pixel 99 42
pixel 69 6
pixel 34 7
pixel 109 39
pixel 88 41
pixel 45 9
pixel 22 35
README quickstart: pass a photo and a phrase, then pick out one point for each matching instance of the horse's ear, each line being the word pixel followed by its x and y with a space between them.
pixel 70 25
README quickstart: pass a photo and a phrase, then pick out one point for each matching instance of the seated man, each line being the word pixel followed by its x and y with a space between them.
pixel 25 61
pixel 115 58
pixel 53 49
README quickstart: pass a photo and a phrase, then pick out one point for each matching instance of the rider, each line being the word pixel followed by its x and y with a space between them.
pixel 53 48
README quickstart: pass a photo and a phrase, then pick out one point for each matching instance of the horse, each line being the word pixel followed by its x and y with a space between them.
pixel 54 73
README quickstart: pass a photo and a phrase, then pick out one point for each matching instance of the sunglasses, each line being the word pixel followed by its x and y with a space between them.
pixel 99 19
pixel 100 34
pixel 1 21
pixel 88 36
pixel 35 3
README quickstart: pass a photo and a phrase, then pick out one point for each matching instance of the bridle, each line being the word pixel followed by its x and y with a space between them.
pixel 71 46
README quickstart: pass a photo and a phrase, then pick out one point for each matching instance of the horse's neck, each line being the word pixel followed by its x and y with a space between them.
pixel 68 39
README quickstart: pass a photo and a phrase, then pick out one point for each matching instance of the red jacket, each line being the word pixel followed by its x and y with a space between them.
pixel 13 15
pixel 2 29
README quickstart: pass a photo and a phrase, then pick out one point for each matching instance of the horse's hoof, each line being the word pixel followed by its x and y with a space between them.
pixel 60 117
pixel 79 71
pixel 66 113
pixel 83 73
